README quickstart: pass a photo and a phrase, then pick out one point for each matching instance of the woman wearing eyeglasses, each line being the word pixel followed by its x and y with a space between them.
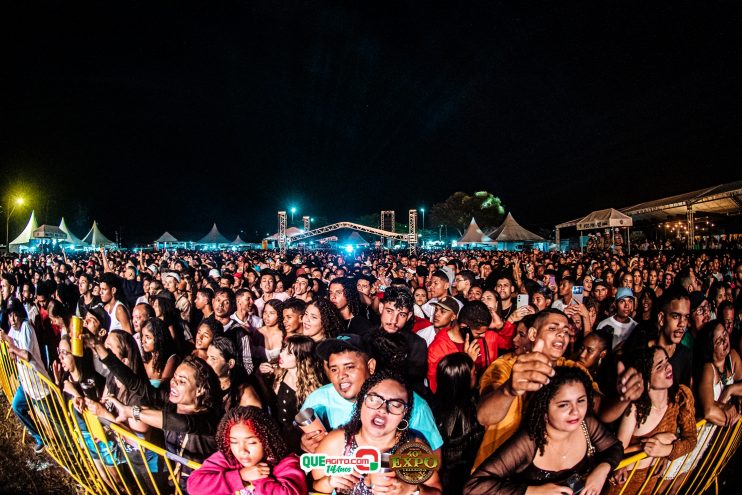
pixel 380 419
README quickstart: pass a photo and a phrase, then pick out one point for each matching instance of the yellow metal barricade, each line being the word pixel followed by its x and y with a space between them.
pixel 116 460
pixel 695 472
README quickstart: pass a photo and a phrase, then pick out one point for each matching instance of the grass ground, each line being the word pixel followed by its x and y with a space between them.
pixel 22 470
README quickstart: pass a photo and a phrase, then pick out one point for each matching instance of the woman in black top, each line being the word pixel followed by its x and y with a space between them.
pixel 559 448
pixel 187 408
pixel 455 410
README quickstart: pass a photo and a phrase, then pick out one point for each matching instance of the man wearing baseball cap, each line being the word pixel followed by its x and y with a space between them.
pixel 621 324
pixel 440 286
pixel 448 338
pixel 347 365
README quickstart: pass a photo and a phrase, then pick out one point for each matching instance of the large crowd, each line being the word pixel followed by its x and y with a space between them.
pixel 523 372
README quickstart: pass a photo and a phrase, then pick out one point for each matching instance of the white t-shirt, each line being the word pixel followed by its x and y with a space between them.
pixel 260 302
pixel 25 338
pixel 428 333
pixel 621 331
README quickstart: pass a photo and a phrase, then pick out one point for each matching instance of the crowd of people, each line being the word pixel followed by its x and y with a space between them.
pixel 524 372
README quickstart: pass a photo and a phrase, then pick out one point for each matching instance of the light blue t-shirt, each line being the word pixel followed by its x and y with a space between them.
pixel 335 411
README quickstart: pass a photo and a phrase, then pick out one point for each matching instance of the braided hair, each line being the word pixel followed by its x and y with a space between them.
pixel 261 424
pixel 538 407
pixel 643 361
pixel 354 425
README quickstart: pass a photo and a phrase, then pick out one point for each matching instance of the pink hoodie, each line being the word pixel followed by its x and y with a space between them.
pixel 217 476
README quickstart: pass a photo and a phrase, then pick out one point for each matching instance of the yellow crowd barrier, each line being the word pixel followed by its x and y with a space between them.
pixel 107 458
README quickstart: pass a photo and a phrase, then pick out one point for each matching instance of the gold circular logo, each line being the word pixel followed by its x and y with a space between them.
pixel 414 463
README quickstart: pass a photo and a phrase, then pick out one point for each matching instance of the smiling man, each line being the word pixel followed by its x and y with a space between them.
pixel 348 365
pixel 500 409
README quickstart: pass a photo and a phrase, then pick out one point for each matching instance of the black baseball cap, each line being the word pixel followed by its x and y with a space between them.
pixel 343 342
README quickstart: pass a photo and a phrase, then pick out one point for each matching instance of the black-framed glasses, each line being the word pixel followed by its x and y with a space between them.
pixel 393 406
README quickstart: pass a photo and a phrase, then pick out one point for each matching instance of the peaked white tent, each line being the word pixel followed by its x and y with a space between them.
pixel 49 232
pixel 356 239
pixel 213 237
pixel 510 234
pixel 474 235
pixel 71 238
pixel 96 238
pixel 166 237
pixel 24 240
pixel 238 242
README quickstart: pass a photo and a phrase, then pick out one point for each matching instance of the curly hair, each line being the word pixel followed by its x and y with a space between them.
pixel 309 372
pixel 354 424
pixel 164 346
pixel 642 360
pixel 350 290
pixel 329 316
pixel 261 424
pixel 206 379
pixel 538 407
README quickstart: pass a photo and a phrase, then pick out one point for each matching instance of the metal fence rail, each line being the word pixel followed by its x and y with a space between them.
pixel 106 458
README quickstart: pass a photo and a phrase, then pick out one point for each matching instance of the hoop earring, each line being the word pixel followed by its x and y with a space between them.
pixel 403 428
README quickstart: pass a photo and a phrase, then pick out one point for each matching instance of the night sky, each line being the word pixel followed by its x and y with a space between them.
pixel 153 116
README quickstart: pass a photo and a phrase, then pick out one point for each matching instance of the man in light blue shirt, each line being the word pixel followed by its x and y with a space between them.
pixel 348 366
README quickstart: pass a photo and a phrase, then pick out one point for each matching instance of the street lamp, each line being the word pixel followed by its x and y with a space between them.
pixel 422 210
pixel 293 210
pixel 8 212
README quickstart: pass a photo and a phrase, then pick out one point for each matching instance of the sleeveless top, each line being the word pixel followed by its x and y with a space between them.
pixel 115 323
pixel 351 446
pixel 725 379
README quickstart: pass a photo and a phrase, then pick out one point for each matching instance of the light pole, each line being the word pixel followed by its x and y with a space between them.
pixel 422 210
pixel 293 210
pixel 8 212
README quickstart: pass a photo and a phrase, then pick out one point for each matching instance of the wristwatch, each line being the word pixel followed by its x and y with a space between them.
pixel 135 411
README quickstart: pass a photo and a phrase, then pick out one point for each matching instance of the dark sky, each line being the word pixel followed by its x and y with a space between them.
pixel 153 116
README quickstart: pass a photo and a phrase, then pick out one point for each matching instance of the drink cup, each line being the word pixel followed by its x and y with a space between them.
pixel 88 389
pixel 308 422
pixel 76 336
pixel 380 477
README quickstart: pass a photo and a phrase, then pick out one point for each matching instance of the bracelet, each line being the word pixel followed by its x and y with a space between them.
pixel 135 411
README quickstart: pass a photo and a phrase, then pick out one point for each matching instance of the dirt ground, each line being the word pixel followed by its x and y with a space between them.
pixel 23 471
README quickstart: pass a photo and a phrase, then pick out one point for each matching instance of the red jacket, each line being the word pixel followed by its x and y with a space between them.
pixel 492 341
pixel 217 476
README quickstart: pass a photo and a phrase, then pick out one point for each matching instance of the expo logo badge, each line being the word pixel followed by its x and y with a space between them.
pixel 365 460
pixel 414 463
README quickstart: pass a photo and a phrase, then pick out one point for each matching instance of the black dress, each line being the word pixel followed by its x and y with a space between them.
pixel 510 470
pixel 286 409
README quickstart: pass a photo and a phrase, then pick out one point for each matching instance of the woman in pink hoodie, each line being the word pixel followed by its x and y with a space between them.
pixel 252 459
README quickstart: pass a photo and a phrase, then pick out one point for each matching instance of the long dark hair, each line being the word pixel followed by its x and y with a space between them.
pixel 350 290
pixel 538 407
pixel 130 352
pixel 206 378
pixel 704 348
pixel 455 406
pixel 354 425
pixel 260 423
pixel 164 346
pixel 643 361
